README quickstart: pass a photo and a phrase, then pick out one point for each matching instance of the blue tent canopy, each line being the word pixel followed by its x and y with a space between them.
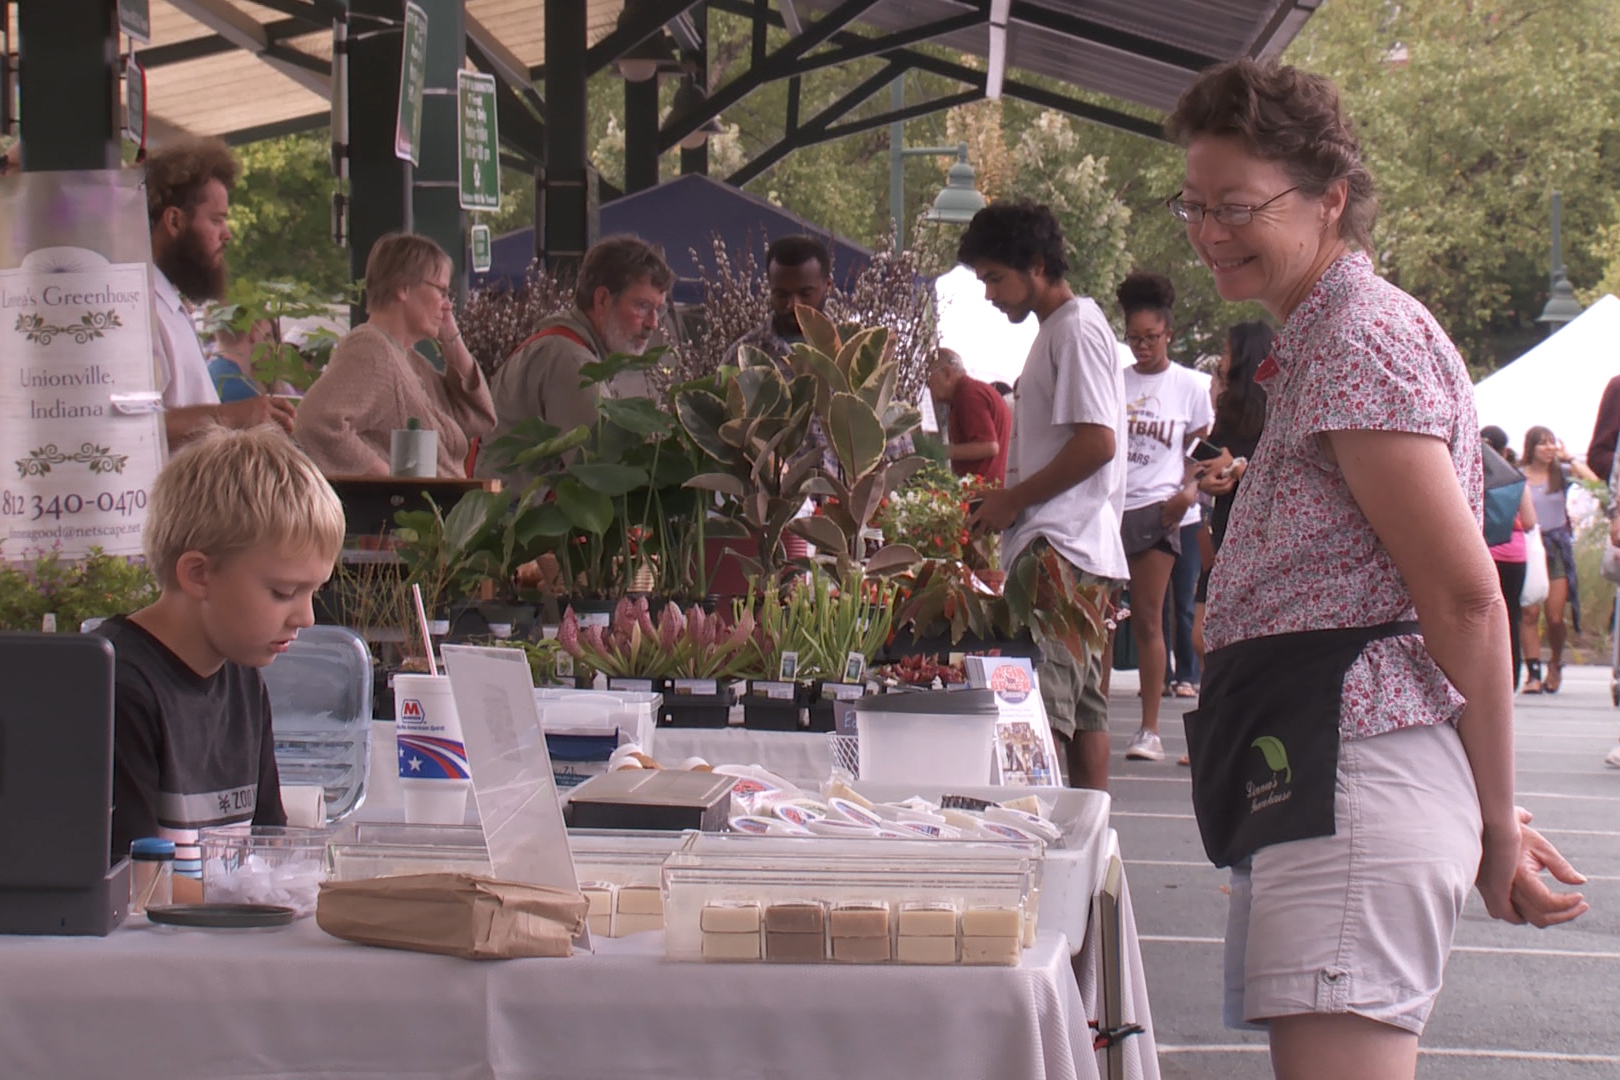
pixel 683 215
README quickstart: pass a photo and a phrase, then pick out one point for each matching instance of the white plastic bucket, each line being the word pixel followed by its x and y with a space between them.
pixel 930 737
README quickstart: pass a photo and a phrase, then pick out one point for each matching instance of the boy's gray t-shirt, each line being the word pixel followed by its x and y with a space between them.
pixel 1072 376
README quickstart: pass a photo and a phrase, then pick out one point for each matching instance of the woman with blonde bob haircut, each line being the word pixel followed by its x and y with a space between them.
pixel 377 382
pixel 1352 751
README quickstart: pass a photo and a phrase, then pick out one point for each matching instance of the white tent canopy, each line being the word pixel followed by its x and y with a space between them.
pixel 1558 383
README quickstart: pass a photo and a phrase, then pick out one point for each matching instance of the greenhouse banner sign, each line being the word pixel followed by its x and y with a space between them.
pixel 80 413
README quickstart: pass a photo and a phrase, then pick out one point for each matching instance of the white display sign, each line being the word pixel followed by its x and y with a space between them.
pixel 80 433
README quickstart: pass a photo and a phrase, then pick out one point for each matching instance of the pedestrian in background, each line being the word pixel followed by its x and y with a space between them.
pixel 1549 471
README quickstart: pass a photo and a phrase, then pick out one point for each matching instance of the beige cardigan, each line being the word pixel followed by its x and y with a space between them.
pixel 372 387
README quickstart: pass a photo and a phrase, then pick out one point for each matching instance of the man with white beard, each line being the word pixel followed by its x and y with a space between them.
pixel 618 301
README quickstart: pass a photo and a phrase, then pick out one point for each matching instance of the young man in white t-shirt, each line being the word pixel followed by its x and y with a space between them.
pixel 1066 467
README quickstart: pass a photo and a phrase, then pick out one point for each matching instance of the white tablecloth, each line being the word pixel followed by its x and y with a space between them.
pixel 158 1004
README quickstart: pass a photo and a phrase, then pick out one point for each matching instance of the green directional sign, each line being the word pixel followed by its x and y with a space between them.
pixel 412 76
pixel 135 101
pixel 479 140
pixel 135 19
pixel 482 254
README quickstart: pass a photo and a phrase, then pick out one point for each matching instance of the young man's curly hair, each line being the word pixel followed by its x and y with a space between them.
pixel 177 175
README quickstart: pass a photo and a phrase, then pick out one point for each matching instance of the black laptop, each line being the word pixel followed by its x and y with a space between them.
pixel 56 753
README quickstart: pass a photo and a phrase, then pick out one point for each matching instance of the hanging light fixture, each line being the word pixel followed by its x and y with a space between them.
pixel 958 200
pixel 647 58
pixel 689 99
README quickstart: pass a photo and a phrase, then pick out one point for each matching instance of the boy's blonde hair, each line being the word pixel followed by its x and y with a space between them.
pixel 229 490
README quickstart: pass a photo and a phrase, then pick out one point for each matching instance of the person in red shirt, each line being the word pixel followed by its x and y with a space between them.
pixel 980 424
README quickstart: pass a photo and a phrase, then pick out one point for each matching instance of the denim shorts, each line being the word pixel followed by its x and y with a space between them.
pixel 1361 922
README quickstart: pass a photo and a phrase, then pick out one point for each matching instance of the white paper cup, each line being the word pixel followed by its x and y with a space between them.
pixel 433 775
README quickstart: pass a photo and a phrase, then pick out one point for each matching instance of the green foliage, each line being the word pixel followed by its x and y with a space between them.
pixel 1470 113
pixel 822 620
pixel 280 215
pixel 99 586
pixel 274 360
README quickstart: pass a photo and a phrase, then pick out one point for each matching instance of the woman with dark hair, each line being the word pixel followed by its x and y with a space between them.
pixel 1353 747
pixel 1549 470
pixel 1166 406
pixel 1240 416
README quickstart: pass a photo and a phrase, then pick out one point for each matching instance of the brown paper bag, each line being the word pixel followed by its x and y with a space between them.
pixel 475 918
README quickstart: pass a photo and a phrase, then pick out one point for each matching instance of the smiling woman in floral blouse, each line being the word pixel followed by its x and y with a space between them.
pixel 1353 750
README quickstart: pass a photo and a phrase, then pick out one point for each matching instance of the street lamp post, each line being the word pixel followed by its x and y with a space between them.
pixel 956 203
pixel 1562 307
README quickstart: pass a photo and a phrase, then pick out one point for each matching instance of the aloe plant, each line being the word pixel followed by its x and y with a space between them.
pixel 822 621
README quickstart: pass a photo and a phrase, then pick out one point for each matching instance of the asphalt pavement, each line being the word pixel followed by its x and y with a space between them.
pixel 1518 1003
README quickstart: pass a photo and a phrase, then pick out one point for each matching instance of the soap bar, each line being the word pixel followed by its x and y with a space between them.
pixel 731 946
pixel 601 925
pixel 803 917
pixel 927 950
pixel 600 894
pixel 985 922
pixel 928 920
pixel 627 923
pixel 794 948
pixel 859 921
pixel 990 950
pixel 863 950
pixel 640 900
pixel 734 918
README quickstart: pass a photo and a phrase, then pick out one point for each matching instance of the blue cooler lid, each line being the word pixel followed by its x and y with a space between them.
pixel 948 702
pixel 151 847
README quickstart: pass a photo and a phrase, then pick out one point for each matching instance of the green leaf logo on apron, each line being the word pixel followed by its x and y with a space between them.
pixel 1276 756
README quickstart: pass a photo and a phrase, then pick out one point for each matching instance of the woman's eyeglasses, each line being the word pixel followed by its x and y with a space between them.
pixel 1232 214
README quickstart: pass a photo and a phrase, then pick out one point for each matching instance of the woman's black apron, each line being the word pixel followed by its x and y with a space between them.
pixel 1264 740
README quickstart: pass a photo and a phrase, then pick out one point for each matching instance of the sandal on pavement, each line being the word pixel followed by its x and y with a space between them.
pixel 1185 690
pixel 1187 761
pixel 1531 686
pixel 1554 679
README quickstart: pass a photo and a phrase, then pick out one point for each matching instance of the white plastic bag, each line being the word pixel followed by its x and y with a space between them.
pixel 1535 569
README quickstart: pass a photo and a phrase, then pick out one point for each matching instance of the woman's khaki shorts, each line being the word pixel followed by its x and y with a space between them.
pixel 1361 922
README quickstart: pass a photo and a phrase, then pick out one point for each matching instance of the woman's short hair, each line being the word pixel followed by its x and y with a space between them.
pixel 1240 412
pixel 177 175
pixel 1143 290
pixel 1015 234
pixel 618 262
pixel 226 491
pixel 1288 116
pixel 399 260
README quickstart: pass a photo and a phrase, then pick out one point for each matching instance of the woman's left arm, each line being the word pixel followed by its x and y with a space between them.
pixel 1426 524
pixel 466 389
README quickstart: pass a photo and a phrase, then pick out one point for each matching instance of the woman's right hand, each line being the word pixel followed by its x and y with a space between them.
pixel 1498 867
pixel 1215 475
pixel 1532 900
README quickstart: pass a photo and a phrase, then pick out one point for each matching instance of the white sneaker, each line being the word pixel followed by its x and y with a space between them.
pixel 1145 746
pixel 1613 760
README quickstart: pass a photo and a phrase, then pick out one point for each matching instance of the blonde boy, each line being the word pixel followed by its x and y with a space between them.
pixel 242 531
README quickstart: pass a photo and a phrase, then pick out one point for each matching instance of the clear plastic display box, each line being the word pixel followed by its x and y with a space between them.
pixel 320 714
pixel 830 900
pixel 619 872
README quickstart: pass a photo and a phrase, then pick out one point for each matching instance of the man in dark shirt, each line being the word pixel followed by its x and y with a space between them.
pixel 243 530
pixel 980 424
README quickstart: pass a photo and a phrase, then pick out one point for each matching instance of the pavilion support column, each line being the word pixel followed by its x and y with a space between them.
pixel 379 183
pixel 697 161
pixel 68 85
pixel 436 193
pixel 565 226
pixel 640 135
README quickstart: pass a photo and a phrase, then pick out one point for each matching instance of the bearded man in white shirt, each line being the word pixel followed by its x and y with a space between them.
pixel 188 185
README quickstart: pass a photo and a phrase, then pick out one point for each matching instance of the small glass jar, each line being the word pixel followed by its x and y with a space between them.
pixel 151 878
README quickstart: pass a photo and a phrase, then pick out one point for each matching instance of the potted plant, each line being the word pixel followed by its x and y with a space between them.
pixel 691 656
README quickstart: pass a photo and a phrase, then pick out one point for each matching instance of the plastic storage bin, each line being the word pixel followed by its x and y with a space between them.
pixel 263 864
pixel 928 737
pixel 320 714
